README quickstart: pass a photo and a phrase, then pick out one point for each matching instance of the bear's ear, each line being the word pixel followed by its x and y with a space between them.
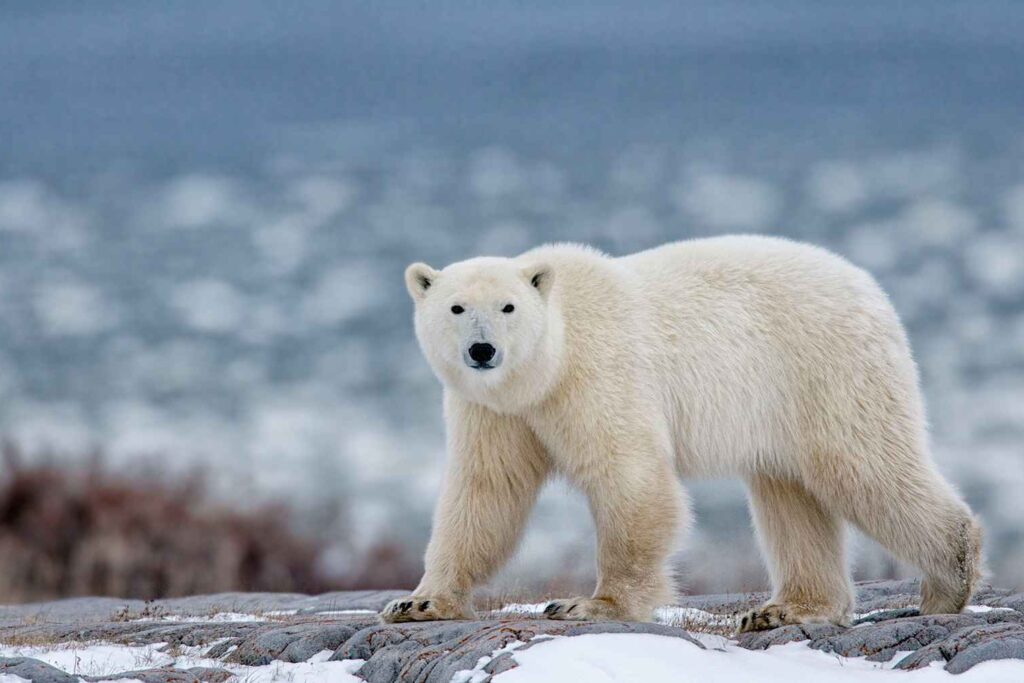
pixel 419 277
pixel 541 277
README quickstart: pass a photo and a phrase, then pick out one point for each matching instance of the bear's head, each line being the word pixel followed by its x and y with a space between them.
pixel 487 327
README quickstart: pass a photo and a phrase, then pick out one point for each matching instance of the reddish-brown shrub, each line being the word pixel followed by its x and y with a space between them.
pixel 81 530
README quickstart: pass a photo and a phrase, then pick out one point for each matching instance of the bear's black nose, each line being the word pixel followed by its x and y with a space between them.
pixel 481 353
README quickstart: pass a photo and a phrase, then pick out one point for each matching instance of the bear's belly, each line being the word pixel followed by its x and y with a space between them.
pixel 732 439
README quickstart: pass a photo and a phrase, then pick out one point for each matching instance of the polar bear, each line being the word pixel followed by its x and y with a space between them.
pixel 761 358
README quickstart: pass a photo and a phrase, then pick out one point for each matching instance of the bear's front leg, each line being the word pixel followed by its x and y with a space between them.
pixel 637 504
pixel 496 468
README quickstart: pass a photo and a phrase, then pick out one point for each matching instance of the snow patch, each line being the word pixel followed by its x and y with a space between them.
pixel 219 617
pixel 619 657
pixel 93 659
pixel 477 673
pixel 105 659
pixel 981 609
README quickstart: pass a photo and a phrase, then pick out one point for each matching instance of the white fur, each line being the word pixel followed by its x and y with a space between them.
pixel 754 357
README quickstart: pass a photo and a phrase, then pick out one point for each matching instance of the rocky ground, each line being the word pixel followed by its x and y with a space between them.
pixel 228 634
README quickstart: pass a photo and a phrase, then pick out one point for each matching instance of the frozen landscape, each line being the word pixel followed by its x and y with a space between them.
pixel 336 637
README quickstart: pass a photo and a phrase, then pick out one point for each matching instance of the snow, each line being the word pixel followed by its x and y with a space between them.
pixel 614 658
pixel 683 617
pixel 524 608
pixel 981 609
pixel 596 658
pixel 693 618
pixel 344 612
pixel 317 668
pixel 103 659
pixel 93 659
pixel 219 617
pixel 477 673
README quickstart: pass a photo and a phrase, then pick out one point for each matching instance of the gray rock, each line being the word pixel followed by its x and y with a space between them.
pixel 211 675
pixel 34 670
pixel 1015 601
pixel 969 646
pixel 79 610
pixel 293 643
pixel 762 640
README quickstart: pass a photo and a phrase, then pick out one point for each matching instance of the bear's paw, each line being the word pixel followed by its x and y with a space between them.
pixel 424 608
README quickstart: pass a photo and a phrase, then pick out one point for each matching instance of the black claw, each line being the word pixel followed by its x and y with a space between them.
pixel 744 621
pixel 551 609
pixel 424 605
pixel 571 608
pixel 405 606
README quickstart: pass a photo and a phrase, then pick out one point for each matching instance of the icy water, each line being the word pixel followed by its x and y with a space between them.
pixel 206 208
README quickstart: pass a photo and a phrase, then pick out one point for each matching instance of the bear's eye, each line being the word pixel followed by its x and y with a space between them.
pixel 508 308
pixel 456 309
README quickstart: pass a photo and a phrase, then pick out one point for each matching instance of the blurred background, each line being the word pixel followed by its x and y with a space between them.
pixel 208 375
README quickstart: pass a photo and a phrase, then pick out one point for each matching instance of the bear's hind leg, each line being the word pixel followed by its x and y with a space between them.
pixel 918 517
pixel 804 548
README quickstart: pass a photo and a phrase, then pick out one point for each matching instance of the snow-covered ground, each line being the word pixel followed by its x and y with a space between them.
pixel 594 658
pixel 627 658
pixel 102 659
